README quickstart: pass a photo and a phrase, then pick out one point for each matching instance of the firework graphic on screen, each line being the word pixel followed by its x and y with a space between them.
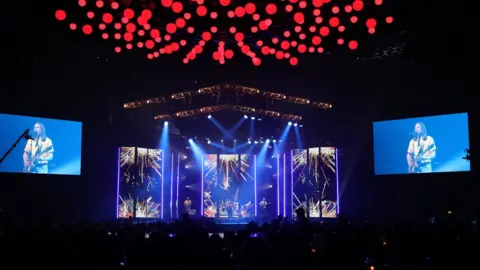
pixel 246 167
pixel 301 186
pixel 210 181
pixel 149 163
pixel 127 177
pixel 321 168
pixel 327 175
pixel 228 170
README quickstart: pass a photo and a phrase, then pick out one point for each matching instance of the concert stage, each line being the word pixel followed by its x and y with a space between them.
pixel 257 167
pixel 216 186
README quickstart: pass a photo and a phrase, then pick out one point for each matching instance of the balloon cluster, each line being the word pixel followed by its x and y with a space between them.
pixel 283 29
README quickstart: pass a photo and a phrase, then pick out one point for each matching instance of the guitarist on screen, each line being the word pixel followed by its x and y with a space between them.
pixel 421 151
pixel 38 151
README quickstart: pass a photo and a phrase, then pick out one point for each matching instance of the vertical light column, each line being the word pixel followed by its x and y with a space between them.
pixel 178 182
pixel 118 182
pixel 163 178
pixel 336 179
pixel 291 181
pixel 278 184
pixel 201 189
pixel 171 189
pixel 255 180
pixel 284 185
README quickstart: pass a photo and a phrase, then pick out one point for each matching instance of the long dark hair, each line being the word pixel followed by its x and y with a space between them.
pixel 423 133
pixel 43 131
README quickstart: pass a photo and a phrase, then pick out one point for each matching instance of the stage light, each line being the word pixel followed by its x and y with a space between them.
pixel 284 185
pixel 190 140
pixel 267 141
pixel 300 125
pixel 202 194
pixel 291 181
pixel 255 142
pixel 289 123
pixel 255 181
pixel 209 116
pixel 249 142
pixel 163 179
pixel 165 123
pixel 118 182
pixel 336 178
pixel 274 141
pixel 295 124
pixel 253 118
pixel 178 182
pixel 278 185
pixel 246 117
pixel 171 187
pixel 208 141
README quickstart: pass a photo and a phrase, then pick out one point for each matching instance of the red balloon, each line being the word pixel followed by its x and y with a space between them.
pixel 60 15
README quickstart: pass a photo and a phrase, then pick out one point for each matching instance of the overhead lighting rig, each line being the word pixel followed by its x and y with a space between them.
pixel 244 109
pixel 243 89
pixel 216 89
pixel 187 113
pixel 209 90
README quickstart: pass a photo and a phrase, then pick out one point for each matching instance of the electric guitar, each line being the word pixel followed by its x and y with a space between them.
pixel 264 205
pixel 417 159
pixel 33 161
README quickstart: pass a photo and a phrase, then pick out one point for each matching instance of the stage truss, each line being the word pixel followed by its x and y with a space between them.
pixel 237 90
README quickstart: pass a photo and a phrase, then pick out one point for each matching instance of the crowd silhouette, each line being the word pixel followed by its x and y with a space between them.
pixel 199 244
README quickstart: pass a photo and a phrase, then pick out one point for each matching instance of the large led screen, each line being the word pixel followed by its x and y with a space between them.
pixel 322 177
pixel 302 187
pixel 230 192
pixel 48 146
pixel 126 182
pixel 140 183
pixel 209 185
pixel 149 183
pixel 421 145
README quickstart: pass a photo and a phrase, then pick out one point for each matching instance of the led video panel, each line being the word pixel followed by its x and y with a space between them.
pixel 48 146
pixel 209 184
pixel 322 173
pixel 421 145
pixel 301 187
pixel 140 183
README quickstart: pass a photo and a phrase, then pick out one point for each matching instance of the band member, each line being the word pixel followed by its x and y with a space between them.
pixel 263 204
pixel 236 208
pixel 263 209
pixel 421 151
pixel 187 203
pixel 38 151
pixel 218 206
pixel 229 209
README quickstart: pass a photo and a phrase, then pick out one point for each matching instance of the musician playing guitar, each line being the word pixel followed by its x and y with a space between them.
pixel 38 151
pixel 188 204
pixel 263 204
pixel 421 151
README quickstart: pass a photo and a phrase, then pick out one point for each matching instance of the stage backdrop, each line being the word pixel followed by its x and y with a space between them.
pixel 232 187
pixel 140 183
pixel 314 181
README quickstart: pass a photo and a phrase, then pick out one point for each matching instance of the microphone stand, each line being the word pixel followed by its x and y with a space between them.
pixel 23 136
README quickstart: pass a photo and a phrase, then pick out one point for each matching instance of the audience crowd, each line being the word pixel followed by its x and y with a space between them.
pixel 281 244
